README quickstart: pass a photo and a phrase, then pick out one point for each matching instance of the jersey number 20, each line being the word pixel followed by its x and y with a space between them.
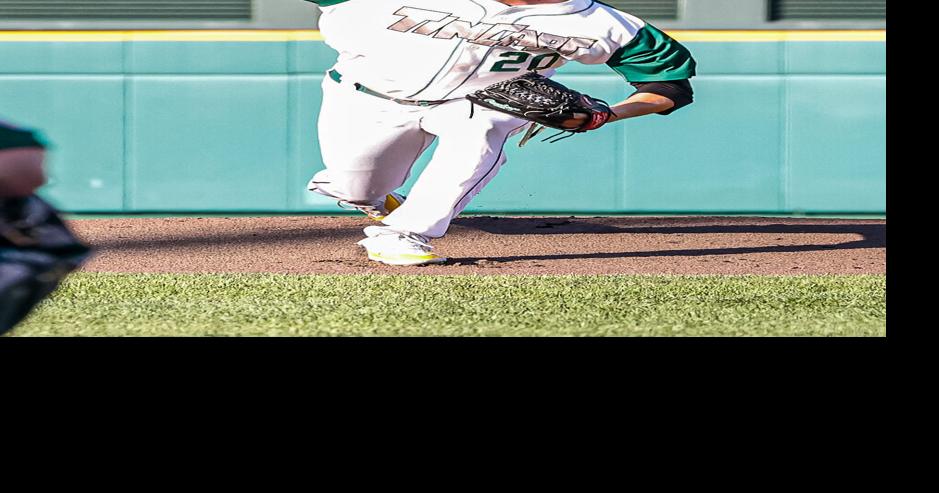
pixel 514 60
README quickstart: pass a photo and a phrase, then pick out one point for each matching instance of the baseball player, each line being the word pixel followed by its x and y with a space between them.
pixel 404 70
pixel 36 248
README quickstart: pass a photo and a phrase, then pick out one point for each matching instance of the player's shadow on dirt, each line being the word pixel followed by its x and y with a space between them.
pixel 873 235
pixel 650 225
pixel 225 240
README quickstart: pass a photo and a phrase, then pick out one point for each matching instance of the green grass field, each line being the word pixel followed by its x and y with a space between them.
pixel 381 305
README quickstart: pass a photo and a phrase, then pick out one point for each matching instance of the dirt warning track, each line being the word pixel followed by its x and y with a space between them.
pixel 496 245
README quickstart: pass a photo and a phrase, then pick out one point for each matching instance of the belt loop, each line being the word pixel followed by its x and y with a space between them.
pixel 336 76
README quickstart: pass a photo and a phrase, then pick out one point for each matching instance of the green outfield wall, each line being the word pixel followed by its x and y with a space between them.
pixel 226 122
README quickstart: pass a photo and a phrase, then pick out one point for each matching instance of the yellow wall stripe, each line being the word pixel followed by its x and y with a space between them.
pixel 311 35
pixel 198 36
pixel 758 36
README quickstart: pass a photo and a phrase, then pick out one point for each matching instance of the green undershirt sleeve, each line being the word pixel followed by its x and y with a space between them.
pixel 653 56
pixel 327 3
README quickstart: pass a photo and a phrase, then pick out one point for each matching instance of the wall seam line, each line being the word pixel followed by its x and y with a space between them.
pixel 125 130
pixel 784 176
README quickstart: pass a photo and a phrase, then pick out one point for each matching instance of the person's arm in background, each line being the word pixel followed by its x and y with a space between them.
pixel 21 171
pixel 30 225
pixel 21 157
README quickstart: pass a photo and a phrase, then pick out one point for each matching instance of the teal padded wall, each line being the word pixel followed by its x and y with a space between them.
pixel 219 126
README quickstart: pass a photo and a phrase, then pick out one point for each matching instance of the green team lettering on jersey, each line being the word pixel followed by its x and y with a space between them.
pixel 515 61
pixel 653 56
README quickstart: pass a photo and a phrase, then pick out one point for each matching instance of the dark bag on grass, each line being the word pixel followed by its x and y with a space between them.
pixel 37 251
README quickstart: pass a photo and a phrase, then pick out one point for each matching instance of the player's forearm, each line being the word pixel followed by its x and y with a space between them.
pixel 640 104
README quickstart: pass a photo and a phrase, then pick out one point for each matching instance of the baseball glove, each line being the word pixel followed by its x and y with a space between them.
pixel 546 103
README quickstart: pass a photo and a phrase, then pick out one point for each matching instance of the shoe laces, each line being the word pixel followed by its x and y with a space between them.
pixel 370 209
pixel 415 239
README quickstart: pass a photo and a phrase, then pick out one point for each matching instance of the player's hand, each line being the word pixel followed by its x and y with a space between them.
pixel 600 115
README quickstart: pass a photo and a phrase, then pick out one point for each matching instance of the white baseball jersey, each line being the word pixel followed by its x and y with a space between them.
pixel 440 51
pixel 445 49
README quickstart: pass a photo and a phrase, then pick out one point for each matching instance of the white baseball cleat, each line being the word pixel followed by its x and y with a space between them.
pixel 376 210
pixel 392 247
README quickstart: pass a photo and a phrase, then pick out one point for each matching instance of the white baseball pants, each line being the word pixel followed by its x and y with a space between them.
pixel 369 145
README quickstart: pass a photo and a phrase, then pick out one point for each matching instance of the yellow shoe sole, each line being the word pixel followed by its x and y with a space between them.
pixel 407 259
